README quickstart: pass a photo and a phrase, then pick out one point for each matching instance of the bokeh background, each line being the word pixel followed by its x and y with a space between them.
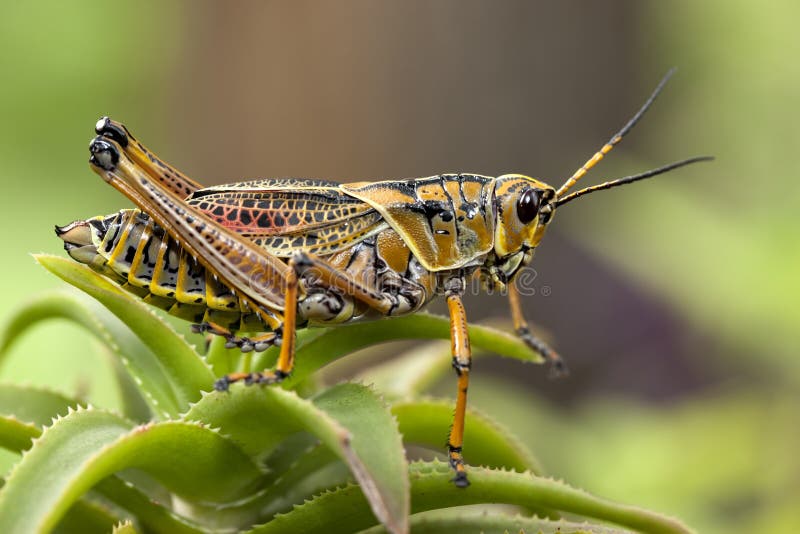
pixel 674 301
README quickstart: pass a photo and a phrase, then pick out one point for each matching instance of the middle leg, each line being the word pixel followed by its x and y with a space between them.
pixel 325 275
pixel 285 335
pixel 462 362
pixel 557 366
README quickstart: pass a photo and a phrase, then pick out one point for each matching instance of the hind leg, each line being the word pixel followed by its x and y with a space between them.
pixel 167 175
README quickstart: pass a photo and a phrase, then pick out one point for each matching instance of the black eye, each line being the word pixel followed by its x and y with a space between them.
pixel 528 206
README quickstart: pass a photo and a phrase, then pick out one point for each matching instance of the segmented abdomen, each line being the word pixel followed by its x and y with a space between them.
pixel 155 267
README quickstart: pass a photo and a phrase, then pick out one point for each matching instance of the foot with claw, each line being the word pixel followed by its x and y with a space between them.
pixel 456 461
pixel 263 378
pixel 245 344
pixel 558 368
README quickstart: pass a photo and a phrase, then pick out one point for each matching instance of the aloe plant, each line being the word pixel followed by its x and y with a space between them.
pixel 302 457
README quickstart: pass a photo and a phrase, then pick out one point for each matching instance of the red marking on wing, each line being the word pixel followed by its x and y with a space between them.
pixel 275 213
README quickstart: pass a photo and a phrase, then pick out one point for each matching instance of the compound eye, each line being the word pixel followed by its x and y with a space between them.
pixel 528 206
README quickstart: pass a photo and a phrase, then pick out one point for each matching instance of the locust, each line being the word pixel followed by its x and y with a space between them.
pixel 271 256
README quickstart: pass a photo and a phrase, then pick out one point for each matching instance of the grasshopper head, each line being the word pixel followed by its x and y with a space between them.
pixel 524 207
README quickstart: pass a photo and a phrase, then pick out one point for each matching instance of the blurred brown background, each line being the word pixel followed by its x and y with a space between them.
pixel 673 301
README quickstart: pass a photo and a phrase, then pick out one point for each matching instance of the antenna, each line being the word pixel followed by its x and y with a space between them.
pixel 633 178
pixel 594 160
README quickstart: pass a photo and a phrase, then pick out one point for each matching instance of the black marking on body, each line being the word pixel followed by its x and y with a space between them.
pixel 470 209
pixel 116 227
pixel 130 254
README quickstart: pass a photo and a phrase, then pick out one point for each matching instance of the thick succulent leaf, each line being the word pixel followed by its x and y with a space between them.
pixel 25 409
pixel 259 418
pixel 282 459
pixel 141 364
pixel 87 516
pixel 413 372
pixel 86 446
pixel 187 372
pixel 293 487
pixel 136 402
pixel 528 490
pixel 376 441
pixel 344 510
pixel 16 435
pixel 126 527
pixel 299 468
pixel 424 422
pixel 149 512
pixel 320 347
pixel 349 419
pixel 222 360
pixel 461 521
pixel 33 404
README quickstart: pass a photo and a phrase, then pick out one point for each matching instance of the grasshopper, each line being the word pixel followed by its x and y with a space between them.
pixel 276 255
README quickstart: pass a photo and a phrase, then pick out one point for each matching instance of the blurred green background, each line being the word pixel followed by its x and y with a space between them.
pixel 674 301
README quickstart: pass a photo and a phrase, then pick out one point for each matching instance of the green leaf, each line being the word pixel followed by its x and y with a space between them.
pixel 349 419
pixel 344 510
pixel 148 511
pixel 126 527
pixel 259 418
pixel 292 486
pixel 88 445
pixel 33 404
pixel 461 521
pixel 319 348
pixel 187 372
pixel 16 435
pixel 221 359
pixel 161 394
pixel 486 442
pixel 25 409
pixel 134 399
pixel 87 516
pixel 377 443
pixel 412 372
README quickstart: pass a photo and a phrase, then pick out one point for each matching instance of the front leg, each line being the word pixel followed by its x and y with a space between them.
pixel 462 362
pixel 557 366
